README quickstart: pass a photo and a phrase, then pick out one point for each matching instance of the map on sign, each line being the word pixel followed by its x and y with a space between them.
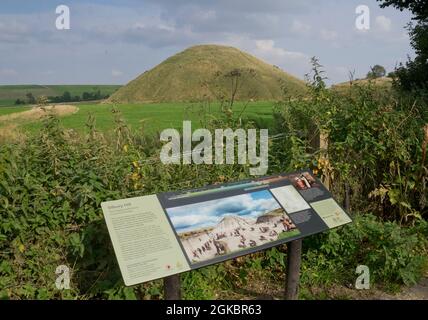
pixel 160 235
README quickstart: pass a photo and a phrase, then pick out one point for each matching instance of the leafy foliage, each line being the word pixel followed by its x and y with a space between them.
pixel 376 71
pixel 413 75
pixel 392 253
pixel 52 184
pixel 375 145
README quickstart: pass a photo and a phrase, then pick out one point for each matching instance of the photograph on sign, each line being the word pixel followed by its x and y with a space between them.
pixel 309 187
pixel 223 226
pixel 303 181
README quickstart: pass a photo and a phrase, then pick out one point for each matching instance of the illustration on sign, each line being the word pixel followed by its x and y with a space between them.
pixel 219 227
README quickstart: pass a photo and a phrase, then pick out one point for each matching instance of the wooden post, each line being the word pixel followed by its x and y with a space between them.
pixel 347 199
pixel 326 179
pixel 294 258
pixel 172 288
pixel 313 138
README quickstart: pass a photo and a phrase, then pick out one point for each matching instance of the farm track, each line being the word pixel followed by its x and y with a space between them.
pixel 37 113
pixel 10 123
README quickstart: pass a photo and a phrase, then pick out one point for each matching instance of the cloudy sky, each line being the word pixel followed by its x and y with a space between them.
pixel 209 213
pixel 111 42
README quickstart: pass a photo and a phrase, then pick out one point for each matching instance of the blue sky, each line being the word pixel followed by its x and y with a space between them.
pixel 209 213
pixel 115 41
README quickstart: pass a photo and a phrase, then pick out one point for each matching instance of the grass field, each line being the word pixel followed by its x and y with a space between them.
pixel 153 117
pixel 9 110
pixel 9 93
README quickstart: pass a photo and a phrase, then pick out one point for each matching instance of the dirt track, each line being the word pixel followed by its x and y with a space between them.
pixel 36 113
pixel 9 123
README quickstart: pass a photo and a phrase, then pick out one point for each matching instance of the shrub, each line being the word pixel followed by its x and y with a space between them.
pixel 394 254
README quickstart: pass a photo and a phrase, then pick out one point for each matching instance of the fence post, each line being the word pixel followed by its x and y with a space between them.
pixel 323 148
pixel 294 249
pixel 294 259
pixel 172 288
pixel 347 200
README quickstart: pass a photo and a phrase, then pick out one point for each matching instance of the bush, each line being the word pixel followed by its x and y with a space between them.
pixel 375 146
pixel 51 187
pixel 394 254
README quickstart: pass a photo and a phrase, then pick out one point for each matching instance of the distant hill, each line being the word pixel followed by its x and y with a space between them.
pixel 200 72
pixel 10 93
pixel 229 223
pixel 383 83
pixel 271 215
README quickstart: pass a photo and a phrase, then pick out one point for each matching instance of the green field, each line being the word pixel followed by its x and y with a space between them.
pixel 9 93
pixel 153 117
pixel 9 110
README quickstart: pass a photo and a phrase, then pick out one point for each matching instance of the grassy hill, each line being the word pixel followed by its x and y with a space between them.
pixel 9 93
pixel 200 72
pixel 382 84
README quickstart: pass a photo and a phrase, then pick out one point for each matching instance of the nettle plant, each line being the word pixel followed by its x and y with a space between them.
pixel 376 145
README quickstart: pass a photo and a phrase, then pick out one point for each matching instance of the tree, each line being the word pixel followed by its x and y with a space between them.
pixel 392 75
pixel 414 73
pixel 376 72
pixel 66 96
pixel 97 95
pixel 86 96
pixel 30 98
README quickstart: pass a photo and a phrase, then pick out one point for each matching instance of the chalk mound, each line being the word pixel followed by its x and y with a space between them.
pixel 201 73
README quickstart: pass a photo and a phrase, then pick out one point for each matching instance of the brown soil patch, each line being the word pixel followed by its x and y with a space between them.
pixel 37 113
pixel 10 133
pixel 263 288
pixel 9 123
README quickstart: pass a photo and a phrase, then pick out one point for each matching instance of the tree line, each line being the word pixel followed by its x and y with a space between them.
pixel 65 97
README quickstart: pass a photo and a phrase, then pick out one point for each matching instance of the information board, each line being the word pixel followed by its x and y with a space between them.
pixel 160 235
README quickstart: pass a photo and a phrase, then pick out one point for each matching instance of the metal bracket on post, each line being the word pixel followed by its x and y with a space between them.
pixel 294 258
pixel 172 288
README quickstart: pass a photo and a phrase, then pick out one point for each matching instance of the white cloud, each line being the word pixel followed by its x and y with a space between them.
pixel 193 219
pixel 383 23
pixel 328 35
pixel 301 28
pixel 116 73
pixel 265 45
pixel 294 62
pixel 211 212
pixel 267 48
pixel 157 29
pixel 8 72
pixel 202 15
pixel 12 31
